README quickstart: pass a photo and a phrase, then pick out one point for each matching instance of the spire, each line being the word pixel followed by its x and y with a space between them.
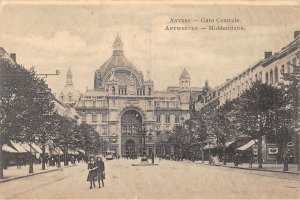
pixel 69 79
pixel 118 45
pixel 148 78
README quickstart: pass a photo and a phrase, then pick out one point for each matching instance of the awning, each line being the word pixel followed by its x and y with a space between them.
pixel 19 148
pixel 55 151
pixel 7 148
pixel 27 148
pixel 247 146
pixel 36 148
pixel 227 144
pixel 81 151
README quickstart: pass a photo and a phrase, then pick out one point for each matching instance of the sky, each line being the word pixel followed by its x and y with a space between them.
pixel 80 37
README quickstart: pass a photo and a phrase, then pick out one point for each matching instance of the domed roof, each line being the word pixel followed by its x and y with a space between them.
pixel 70 91
pixel 185 74
pixel 117 59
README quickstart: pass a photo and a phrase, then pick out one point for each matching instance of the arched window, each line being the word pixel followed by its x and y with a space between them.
pixel 271 77
pixel 149 91
pixel 276 74
pixel 282 69
pixel 113 90
pixel 267 78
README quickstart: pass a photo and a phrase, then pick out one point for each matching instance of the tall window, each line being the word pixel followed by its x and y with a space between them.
pixel 176 119
pixel 276 74
pixel 104 130
pixel 288 67
pixel 271 76
pixel 294 63
pixel 167 119
pixel 94 103
pixel 124 129
pixel 282 69
pixel 157 118
pixel 267 78
pixel 260 76
pixel 167 104
pixel 157 103
pixel 94 118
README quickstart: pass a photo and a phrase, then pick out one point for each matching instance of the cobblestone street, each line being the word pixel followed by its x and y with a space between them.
pixel 170 179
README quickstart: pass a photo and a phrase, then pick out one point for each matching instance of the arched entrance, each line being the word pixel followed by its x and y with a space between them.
pixel 129 147
pixel 131 126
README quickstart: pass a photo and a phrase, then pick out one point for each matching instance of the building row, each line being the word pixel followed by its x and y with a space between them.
pixel 268 70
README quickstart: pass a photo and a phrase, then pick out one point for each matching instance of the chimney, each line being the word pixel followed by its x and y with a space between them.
pixel 13 57
pixel 296 34
pixel 206 84
pixel 268 54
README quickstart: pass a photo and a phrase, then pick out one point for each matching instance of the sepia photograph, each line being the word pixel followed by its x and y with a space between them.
pixel 149 99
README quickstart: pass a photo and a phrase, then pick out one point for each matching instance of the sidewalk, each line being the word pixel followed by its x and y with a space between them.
pixel 293 168
pixel 12 173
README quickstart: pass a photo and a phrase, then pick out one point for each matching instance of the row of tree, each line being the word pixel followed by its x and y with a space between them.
pixel 262 111
pixel 31 117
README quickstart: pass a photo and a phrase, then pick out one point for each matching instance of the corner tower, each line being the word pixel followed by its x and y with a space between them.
pixel 185 80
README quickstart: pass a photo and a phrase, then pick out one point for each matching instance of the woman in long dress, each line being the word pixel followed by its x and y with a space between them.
pixel 100 171
pixel 92 172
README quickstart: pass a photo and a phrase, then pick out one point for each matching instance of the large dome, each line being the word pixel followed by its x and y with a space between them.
pixel 116 63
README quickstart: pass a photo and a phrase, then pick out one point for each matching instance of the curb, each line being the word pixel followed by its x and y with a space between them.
pixel 33 174
pixel 255 169
pixel 266 170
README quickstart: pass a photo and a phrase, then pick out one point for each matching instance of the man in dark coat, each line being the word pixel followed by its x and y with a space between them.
pixel 100 171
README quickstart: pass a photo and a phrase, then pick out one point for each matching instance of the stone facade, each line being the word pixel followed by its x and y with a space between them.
pixel 126 110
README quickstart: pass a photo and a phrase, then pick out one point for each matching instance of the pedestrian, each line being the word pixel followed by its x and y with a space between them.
pixel 100 171
pixel 250 158
pixel 152 158
pixel 92 172
pixel 236 159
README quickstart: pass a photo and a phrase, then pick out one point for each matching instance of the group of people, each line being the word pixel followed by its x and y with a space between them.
pixel 96 170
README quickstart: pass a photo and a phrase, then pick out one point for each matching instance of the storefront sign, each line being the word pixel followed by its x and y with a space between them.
pixel 273 151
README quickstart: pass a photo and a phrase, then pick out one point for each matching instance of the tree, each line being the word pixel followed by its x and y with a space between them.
pixel 179 139
pixel 288 118
pixel 223 125
pixel 89 139
pixel 256 108
pixel 20 94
